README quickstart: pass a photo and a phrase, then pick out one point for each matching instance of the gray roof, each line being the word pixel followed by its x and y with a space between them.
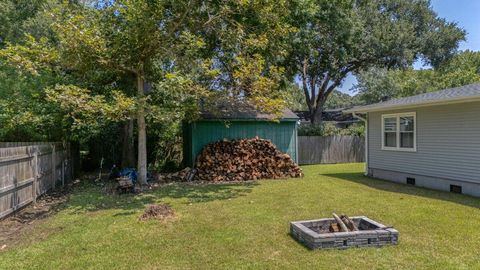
pixel 465 93
pixel 241 111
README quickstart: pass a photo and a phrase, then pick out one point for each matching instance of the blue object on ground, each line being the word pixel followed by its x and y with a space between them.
pixel 130 173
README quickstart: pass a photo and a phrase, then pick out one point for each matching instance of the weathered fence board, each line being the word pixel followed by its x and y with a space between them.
pixel 330 149
pixel 15 144
pixel 28 170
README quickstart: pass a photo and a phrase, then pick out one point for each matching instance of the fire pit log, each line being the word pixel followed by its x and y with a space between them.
pixel 348 222
pixel 340 223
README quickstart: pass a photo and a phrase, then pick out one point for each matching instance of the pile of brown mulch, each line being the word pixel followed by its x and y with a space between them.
pixel 157 211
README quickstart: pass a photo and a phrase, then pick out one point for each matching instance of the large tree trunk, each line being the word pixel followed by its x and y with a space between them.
pixel 316 114
pixel 142 133
pixel 316 96
pixel 128 150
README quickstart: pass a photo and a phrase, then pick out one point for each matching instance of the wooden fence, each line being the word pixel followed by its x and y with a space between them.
pixel 28 170
pixel 330 149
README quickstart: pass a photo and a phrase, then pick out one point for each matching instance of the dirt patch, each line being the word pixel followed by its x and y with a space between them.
pixel 14 227
pixel 158 211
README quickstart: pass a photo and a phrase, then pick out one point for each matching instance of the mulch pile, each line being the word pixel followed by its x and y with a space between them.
pixel 157 211
pixel 241 160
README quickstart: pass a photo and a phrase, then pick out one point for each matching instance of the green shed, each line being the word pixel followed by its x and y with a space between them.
pixel 241 122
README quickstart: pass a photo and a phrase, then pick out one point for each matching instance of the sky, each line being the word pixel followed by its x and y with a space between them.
pixel 466 13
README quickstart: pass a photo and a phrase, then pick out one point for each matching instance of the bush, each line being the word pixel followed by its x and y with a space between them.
pixel 166 146
pixel 329 129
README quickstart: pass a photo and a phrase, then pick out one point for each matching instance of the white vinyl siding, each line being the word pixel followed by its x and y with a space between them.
pixel 399 131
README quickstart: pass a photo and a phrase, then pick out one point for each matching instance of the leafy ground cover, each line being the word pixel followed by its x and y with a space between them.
pixel 245 226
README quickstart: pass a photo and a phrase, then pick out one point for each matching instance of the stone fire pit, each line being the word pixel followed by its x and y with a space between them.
pixel 315 234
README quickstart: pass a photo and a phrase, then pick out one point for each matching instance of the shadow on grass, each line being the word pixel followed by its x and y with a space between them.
pixel 389 186
pixel 91 198
pixel 205 192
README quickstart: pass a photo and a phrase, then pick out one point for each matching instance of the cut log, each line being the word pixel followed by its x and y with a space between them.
pixel 348 222
pixel 245 159
pixel 333 228
pixel 339 221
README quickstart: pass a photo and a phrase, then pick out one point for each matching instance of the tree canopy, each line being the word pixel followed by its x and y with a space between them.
pixel 107 55
pixel 336 38
pixel 379 84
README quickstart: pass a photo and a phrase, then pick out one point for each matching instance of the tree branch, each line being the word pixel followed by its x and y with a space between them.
pixel 321 91
pixel 308 98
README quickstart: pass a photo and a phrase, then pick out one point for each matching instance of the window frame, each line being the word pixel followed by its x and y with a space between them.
pixel 398 132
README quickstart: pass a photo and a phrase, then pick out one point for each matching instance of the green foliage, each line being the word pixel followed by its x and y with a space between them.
pixel 24 113
pixel 246 41
pixel 329 129
pixel 168 147
pixel 295 98
pixel 338 100
pixel 377 84
pixel 21 109
pixel 73 69
pixel 335 38
pixel 85 115
pixel 20 16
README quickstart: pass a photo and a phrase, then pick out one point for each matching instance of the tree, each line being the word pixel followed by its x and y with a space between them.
pixel 19 16
pixel 338 100
pixel 106 52
pixel 245 41
pixel 24 114
pixel 131 39
pixel 336 38
pixel 377 84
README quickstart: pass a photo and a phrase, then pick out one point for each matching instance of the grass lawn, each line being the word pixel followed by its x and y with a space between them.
pixel 246 226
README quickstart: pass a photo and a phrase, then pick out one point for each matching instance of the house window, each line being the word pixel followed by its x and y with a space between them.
pixel 390 131
pixel 399 132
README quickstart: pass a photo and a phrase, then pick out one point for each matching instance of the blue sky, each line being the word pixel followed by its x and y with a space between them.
pixel 466 13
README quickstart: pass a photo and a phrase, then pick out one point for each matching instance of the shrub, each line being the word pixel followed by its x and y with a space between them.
pixel 329 129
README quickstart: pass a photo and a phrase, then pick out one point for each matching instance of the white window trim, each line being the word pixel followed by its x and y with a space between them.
pixel 397 116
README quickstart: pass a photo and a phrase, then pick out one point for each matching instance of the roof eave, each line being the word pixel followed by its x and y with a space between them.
pixel 366 109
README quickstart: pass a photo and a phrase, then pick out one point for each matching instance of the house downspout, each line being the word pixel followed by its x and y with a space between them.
pixel 366 139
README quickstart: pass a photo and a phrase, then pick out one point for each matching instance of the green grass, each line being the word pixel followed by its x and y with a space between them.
pixel 245 226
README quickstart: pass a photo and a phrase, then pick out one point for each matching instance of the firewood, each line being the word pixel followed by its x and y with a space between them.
pixel 348 222
pixel 245 159
pixel 333 227
pixel 339 221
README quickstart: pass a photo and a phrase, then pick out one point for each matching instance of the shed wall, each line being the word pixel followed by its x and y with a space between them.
pixel 448 143
pixel 282 134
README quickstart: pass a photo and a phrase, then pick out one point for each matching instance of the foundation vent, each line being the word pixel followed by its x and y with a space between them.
pixel 411 181
pixel 456 189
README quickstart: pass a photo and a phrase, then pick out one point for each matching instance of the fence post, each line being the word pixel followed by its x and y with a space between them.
pixel 54 166
pixel 35 175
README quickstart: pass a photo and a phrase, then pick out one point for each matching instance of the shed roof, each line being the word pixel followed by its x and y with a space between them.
pixel 242 111
pixel 460 94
